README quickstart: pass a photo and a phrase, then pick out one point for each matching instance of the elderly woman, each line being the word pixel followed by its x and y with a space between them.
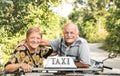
pixel 30 54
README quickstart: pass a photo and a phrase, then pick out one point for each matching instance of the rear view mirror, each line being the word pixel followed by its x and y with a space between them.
pixel 112 55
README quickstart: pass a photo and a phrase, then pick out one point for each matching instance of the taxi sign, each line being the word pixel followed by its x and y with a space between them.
pixel 59 62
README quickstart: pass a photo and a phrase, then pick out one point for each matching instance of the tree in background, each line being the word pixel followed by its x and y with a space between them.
pixel 99 20
pixel 112 42
pixel 90 17
pixel 17 15
pixel 93 18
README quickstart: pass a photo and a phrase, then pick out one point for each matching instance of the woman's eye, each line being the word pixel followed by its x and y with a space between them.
pixel 32 37
pixel 38 38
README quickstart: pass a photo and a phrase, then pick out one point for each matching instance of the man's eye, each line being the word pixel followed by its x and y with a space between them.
pixel 69 33
pixel 66 33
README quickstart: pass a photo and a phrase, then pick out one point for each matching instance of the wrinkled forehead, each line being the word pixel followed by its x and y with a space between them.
pixel 71 27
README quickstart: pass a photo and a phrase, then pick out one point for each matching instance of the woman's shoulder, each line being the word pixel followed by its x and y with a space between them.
pixel 21 47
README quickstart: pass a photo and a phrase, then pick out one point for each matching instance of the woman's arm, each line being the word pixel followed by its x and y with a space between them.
pixel 13 67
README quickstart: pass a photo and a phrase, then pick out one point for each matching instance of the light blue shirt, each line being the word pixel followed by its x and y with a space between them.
pixel 79 50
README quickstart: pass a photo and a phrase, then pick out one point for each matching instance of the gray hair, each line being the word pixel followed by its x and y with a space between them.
pixel 71 24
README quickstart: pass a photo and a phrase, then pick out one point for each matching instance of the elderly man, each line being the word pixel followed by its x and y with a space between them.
pixel 71 45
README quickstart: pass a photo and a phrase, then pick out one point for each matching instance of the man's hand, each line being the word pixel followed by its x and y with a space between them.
pixel 53 54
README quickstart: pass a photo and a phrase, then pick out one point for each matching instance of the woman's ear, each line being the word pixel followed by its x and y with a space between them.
pixel 41 36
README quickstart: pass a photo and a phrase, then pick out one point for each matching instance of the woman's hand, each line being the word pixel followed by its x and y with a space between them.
pixel 26 67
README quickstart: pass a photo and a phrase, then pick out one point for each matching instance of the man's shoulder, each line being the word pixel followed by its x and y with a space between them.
pixel 83 40
pixel 58 40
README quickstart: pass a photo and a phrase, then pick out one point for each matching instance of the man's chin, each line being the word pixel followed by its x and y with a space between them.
pixel 69 42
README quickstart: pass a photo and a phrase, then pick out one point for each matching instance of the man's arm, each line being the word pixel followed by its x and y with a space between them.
pixel 80 65
pixel 44 43
pixel 84 56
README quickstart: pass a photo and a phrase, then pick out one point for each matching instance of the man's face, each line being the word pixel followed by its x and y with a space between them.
pixel 70 34
pixel 34 40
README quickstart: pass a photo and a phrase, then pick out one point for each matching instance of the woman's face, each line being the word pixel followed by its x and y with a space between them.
pixel 34 39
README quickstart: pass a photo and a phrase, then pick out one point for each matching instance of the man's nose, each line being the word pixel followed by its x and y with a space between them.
pixel 69 34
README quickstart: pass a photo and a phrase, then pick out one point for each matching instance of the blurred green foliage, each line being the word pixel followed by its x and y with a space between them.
pixel 112 42
pixel 16 16
pixel 97 20
pixel 91 20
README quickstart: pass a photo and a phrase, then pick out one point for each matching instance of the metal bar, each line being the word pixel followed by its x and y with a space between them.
pixel 69 69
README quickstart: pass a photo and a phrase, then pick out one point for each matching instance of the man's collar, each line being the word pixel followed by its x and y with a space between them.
pixel 77 42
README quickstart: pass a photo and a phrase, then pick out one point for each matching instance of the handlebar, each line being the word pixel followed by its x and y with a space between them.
pixel 107 67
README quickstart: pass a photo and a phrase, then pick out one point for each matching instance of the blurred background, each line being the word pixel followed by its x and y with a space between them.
pixel 98 21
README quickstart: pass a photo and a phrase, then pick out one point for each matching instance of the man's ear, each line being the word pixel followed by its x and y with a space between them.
pixel 78 33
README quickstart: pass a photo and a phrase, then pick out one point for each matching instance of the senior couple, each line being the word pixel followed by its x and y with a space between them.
pixel 32 51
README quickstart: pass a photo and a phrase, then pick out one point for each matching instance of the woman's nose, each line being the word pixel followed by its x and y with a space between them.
pixel 35 39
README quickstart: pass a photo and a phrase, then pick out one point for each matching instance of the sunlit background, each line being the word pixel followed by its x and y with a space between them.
pixel 98 21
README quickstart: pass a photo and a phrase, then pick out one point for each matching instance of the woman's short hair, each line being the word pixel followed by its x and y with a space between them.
pixel 33 29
